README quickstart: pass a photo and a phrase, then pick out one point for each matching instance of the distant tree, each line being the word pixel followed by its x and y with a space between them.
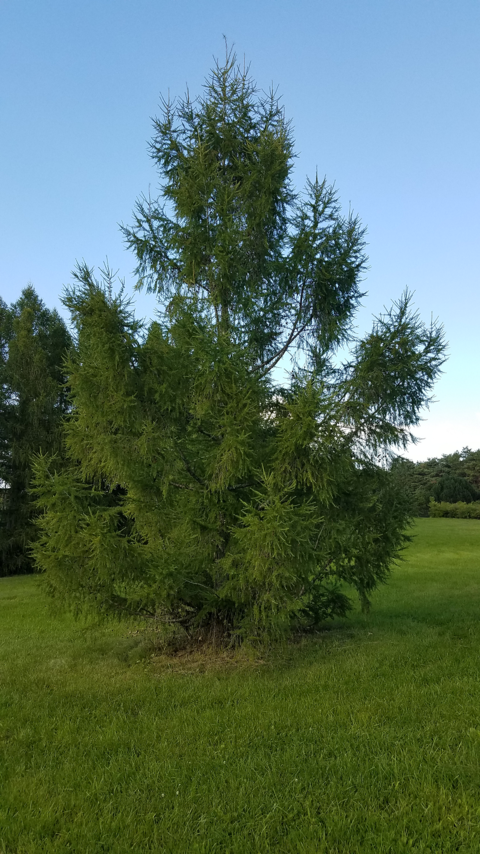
pixel 426 480
pixel 452 489
pixel 5 335
pixel 202 489
pixel 471 467
pixel 33 345
pixel 404 472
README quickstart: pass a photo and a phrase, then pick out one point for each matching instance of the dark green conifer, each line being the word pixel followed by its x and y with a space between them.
pixel 33 343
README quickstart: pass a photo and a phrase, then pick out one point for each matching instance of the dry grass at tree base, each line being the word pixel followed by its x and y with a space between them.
pixel 365 738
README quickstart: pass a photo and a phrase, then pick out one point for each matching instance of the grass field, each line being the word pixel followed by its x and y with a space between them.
pixel 363 739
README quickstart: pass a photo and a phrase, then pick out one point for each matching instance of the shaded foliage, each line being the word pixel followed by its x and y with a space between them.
pixel 33 342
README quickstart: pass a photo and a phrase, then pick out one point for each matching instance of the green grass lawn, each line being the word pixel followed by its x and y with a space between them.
pixel 365 738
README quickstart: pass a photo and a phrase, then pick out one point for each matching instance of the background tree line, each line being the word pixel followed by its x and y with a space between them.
pixel 451 478
pixel 33 401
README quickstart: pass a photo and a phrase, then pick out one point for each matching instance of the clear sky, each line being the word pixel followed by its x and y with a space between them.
pixel 384 100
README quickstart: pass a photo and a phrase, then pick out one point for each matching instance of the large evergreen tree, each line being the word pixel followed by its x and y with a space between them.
pixel 202 488
pixel 33 345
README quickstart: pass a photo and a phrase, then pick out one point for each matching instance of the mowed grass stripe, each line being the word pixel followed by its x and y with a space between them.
pixel 365 738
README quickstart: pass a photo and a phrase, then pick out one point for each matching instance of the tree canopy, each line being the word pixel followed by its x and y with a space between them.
pixel 202 489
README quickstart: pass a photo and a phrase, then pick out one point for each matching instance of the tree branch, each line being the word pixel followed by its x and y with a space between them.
pixel 241 486
pixel 273 360
pixel 183 486
pixel 189 468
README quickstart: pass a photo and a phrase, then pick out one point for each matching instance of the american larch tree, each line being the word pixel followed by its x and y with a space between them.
pixel 203 489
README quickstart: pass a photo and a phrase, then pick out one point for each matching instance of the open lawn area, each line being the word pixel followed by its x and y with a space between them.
pixel 364 738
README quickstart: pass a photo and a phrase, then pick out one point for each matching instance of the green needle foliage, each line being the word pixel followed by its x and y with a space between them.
pixel 33 402
pixel 201 490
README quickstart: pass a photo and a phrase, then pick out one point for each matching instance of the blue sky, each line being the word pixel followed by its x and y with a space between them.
pixel 384 101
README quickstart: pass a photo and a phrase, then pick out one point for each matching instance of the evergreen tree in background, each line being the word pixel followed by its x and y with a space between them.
pixel 33 342
pixel 452 489
pixel 471 467
pixel 226 473
pixel 454 475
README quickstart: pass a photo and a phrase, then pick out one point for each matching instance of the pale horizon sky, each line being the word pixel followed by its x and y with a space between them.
pixel 383 99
